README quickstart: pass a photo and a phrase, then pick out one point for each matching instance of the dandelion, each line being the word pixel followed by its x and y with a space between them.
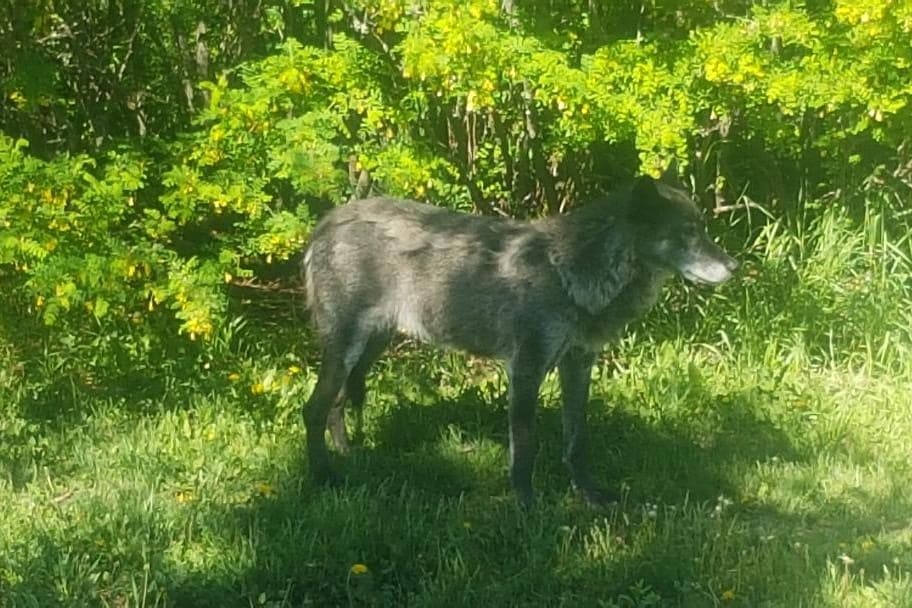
pixel 258 388
pixel 358 569
pixel 293 370
pixel 265 489
pixel 234 377
pixel 728 595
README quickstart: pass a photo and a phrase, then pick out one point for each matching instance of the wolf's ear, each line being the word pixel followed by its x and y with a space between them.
pixel 645 200
pixel 670 174
pixel 644 188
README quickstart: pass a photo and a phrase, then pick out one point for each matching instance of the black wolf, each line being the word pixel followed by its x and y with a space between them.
pixel 535 295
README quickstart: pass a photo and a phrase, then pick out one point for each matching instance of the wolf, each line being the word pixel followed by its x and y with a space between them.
pixel 534 294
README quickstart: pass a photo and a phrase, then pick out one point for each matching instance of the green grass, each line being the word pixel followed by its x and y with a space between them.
pixel 758 434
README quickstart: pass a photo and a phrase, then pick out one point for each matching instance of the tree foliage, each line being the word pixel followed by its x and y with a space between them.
pixel 157 152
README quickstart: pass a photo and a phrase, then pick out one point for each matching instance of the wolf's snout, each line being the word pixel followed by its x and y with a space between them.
pixel 710 268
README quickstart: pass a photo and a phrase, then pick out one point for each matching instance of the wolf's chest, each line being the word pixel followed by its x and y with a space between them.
pixel 632 302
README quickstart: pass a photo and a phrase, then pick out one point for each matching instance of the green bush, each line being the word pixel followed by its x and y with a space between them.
pixel 465 104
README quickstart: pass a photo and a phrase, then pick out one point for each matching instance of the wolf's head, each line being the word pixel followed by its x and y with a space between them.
pixel 672 233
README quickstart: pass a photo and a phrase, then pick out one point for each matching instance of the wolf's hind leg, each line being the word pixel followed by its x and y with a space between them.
pixel 341 353
pixel 329 390
pixel 355 392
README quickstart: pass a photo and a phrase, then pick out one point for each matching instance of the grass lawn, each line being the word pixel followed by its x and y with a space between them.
pixel 759 436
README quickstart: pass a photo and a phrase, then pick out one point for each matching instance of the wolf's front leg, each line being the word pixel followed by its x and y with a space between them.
pixel 575 371
pixel 526 372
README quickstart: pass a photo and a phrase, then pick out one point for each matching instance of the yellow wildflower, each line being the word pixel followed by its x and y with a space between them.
pixel 358 569
pixel 265 489
pixel 17 98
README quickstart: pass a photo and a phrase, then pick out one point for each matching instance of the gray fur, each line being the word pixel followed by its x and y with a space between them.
pixel 533 294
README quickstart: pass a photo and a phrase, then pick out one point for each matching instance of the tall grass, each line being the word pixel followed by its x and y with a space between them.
pixel 829 291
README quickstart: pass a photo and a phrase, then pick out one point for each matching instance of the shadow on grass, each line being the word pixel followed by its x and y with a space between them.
pixel 648 460
pixel 437 526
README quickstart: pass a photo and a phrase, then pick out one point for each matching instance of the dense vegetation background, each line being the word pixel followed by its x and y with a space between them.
pixel 156 152
pixel 162 163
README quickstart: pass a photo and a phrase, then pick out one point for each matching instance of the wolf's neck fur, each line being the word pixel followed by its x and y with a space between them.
pixel 594 253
